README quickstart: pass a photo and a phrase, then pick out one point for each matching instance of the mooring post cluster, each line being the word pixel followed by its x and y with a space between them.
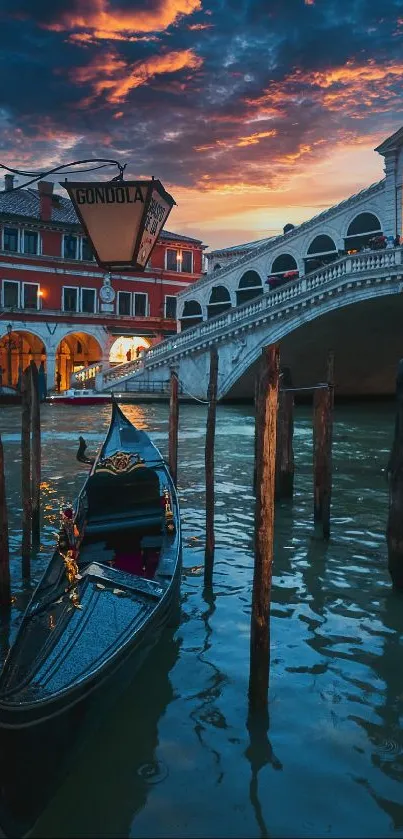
pixel 273 479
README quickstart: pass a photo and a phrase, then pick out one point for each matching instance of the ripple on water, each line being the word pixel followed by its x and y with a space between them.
pixel 336 684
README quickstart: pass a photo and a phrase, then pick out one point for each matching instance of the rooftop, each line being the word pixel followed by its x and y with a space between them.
pixel 24 203
pixel 243 247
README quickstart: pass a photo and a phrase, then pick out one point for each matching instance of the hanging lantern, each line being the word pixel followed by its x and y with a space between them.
pixel 122 219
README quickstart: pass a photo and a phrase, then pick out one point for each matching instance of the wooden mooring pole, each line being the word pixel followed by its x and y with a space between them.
pixel 285 452
pixel 173 426
pixel 264 523
pixel 323 400
pixel 26 471
pixel 209 466
pixel 256 441
pixel 36 454
pixel 5 586
pixel 394 528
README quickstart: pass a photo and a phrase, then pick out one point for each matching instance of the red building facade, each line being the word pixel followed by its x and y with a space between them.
pixel 59 307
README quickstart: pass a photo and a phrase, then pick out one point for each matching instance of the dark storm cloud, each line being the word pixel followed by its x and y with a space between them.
pixel 203 92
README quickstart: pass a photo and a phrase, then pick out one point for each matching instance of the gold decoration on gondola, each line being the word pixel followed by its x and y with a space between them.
pixel 67 542
pixel 120 462
pixel 169 516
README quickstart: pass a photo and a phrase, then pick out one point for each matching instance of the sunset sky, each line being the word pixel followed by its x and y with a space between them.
pixel 253 113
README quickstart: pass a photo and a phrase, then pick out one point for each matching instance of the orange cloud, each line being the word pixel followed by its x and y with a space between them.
pixel 113 76
pixel 254 139
pixel 239 142
pixel 113 23
pixel 345 88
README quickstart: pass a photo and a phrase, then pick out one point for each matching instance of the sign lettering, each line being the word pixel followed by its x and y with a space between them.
pixel 108 195
pixel 156 215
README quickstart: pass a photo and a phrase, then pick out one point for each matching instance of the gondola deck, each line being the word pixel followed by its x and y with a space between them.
pixel 109 587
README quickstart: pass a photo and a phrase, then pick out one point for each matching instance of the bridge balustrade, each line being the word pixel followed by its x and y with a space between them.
pixel 196 337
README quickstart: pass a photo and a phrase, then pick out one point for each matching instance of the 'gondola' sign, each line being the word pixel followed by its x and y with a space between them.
pixel 122 219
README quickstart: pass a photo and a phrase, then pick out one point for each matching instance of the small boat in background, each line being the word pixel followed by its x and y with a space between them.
pixel 78 397
pixel 9 396
pixel 109 589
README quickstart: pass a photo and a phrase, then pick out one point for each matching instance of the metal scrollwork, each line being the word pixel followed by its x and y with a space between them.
pixel 120 462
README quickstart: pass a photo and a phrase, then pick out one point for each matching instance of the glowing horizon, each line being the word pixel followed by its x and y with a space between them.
pixel 251 118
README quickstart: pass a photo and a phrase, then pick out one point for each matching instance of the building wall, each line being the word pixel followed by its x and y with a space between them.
pixel 44 324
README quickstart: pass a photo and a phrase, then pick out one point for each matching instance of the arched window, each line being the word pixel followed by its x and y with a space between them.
pixel 361 230
pixel 219 302
pixel 321 251
pixel 217 266
pixel 284 268
pixel 192 314
pixel 250 286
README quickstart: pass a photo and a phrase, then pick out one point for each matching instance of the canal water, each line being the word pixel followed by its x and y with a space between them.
pixel 176 756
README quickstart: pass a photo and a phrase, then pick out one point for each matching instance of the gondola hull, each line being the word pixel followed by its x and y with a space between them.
pixel 86 631
pixel 132 653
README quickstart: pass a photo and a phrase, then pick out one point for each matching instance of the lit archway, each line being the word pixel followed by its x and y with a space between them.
pixel 17 349
pixel 127 348
pixel 74 352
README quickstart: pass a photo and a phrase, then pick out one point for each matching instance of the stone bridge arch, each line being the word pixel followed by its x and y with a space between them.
pixel 219 301
pixel 246 348
pixel 191 315
pixel 361 227
pixel 249 286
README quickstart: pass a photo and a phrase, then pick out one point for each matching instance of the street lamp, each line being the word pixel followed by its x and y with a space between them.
pixel 122 219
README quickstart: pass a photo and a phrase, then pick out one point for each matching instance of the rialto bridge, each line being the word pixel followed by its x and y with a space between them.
pixel 329 283
pixel 353 306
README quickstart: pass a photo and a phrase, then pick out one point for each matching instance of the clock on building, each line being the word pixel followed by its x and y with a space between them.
pixel 107 293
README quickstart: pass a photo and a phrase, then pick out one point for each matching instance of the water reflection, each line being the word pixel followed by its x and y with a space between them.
pixel 207 712
pixel 259 754
pixel 179 756
pixel 119 765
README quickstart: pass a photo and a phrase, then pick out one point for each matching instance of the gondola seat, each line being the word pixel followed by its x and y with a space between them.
pixel 124 503
pixel 134 519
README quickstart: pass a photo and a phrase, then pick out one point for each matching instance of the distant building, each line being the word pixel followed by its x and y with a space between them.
pixel 61 307
pixel 222 257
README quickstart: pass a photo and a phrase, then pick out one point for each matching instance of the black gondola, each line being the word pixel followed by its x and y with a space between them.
pixel 110 586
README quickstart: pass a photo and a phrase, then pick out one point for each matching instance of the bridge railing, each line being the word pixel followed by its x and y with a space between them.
pixel 237 262
pixel 86 374
pixel 145 386
pixel 356 263
pixel 364 263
